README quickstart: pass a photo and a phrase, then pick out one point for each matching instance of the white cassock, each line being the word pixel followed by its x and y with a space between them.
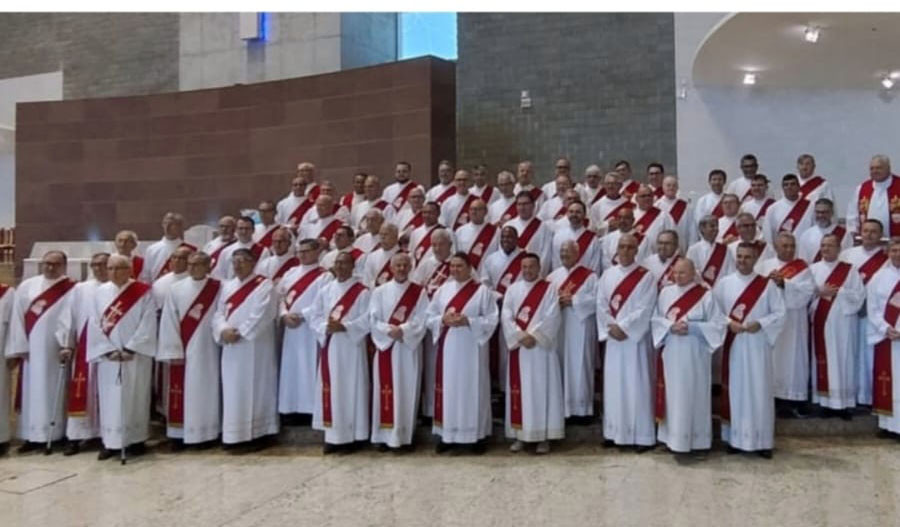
pixel 86 425
pixel 751 401
pixel 740 187
pixel 377 270
pixel 576 342
pixel 451 210
pixel 466 376
pixel 348 368
pixel 687 362
pixel 317 229
pixel 431 278
pixel 494 193
pixel 628 377
pixel 228 252
pixel 681 215
pixel 790 353
pixel 392 192
pixel 761 256
pixel 274 264
pixel 840 332
pixel 776 219
pixel 822 190
pixel 501 208
pixel 405 362
pixel 339 212
pixel 879 206
pixel 592 258
pixel 299 351
pixel 609 247
pixel 249 365
pixel 809 243
pixel 417 237
pixel 858 256
pixel 662 270
pixel 163 285
pixel 404 219
pixel 661 222
pixel 552 209
pixel 200 359
pixel 367 242
pixel 212 247
pixel 155 258
pixel 492 273
pixel 288 204
pixel 541 389
pixel 40 351
pixel 124 386
pixel 160 292
pixel 359 260
pixel 601 209
pixel 725 224
pixel 6 305
pixel 466 236
pixel 880 291
pixel 436 191
pixel 700 253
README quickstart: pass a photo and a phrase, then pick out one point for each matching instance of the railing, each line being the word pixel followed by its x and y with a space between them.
pixel 7 245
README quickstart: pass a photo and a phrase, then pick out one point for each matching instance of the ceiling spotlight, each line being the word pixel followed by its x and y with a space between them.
pixel 811 34
pixel 749 79
pixel 887 83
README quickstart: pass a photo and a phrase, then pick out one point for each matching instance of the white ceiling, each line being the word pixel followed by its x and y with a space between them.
pixel 854 50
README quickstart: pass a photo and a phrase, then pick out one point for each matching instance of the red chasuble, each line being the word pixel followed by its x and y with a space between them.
pixel 481 243
pixel 456 305
pixel 789 224
pixel 338 312
pixel 742 307
pixel 676 312
pixel 523 318
pixel 623 291
pixel 836 278
pixel 189 324
pixel 401 312
pixel 893 194
pixel 714 264
pixel 882 388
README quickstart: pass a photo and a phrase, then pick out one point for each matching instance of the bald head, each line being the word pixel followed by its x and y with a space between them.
pixel 684 272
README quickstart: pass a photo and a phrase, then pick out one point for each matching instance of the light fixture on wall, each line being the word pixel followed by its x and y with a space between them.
pixel 749 79
pixel 887 82
pixel 811 34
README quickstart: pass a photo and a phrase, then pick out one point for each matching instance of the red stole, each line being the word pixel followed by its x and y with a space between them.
pixel 810 185
pixel 657 192
pixel 714 264
pixel 577 277
pixel 789 224
pixel 449 191
pixel 838 231
pixel 437 278
pixel 168 265
pixel 385 275
pixel 307 203
pixel 44 301
pixel 401 312
pixel 871 266
pixel 463 216
pixel 893 194
pixel 676 312
pixel 511 273
pixel 792 268
pixel 487 193
pixel 214 257
pixel 189 324
pixel 742 307
pixel 836 278
pixel 882 387
pixel 624 289
pixel 601 191
pixel 615 211
pixel 347 201
pixel 717 211
pixel 765 207
pixel 330 229
pixel 403 195
pixel 120 306
pixel 528 232
pixel 642 225
pixel 561 212
pixel 481 243
pixel 424 244
pixel 667 273
pixel 536 193
pixel 416 221
pixel 524 315
pixel 237 298
pixel 288 264
pixel 584 241
pixel 338 312
pixel 380 205
pixel 630 187
pixel 731 231
pixel 356 253
pixel 137 265
pixel 266 239
pixel 256 250
pixel 510 213
pixel 455 305
pixel 677 210
pixel 299 287
pixel 76 403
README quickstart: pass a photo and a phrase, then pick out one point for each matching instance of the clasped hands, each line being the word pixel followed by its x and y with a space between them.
pixel 737 327
pixel 455 320
pixel 292 320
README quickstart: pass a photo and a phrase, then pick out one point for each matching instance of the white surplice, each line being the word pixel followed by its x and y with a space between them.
pixel 124 386
pixel 592 258
pixel 628 376
pixel 687 362
pixel 879 292
pixel 840 338
pixel 85 426
pixel 705 206
pixel 466 366
pixel 684 226
pixel 297 381
pixel 857 256
pixel 601 209
pixel 752 402
pixel 451 208
pixel 218 269
pixel 725 223
pixel 740 187
pixel 273 263
pixel 406 362
pixel 41 373
pixel 347 363
pixel 201 359
pixel 492 274
pixel 541 391
pixel 662 222
pixel 250 365
pixel 6 307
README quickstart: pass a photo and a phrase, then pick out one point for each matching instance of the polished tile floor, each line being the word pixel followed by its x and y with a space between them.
pixel 836 482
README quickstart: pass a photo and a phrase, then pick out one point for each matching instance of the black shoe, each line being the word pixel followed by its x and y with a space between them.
pixel 426 421
pixel 846 414
pixel 105 453
pixel 4 448
pixel 206 445
pixel 329 448
pixel 176 445
pixel 640 449
pixel 765 454
pixel 608 443
pixel 731 450
pixel 28 446
pixel 478 448
pixel 72 448
pixel 440 447
pixel 382 447
pixel 137 449
pixel 405 449
pixel 885 434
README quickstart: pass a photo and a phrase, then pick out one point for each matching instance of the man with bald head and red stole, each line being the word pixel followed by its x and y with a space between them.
pixel 477 238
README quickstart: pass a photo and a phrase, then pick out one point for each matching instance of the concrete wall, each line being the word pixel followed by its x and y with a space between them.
pixel 602 87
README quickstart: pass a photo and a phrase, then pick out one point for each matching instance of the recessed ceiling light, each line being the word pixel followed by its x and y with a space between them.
pixel 811 34
pixel 887 83
pixel 749 78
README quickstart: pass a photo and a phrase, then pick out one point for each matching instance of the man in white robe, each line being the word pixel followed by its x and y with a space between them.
pixel 444 187
pixel 759 201
pixel 649 220
pixel 455 210
pixel 282 258
pixel 122 342
pixel 244 232
pixel 7 293
pixel 265 229
pixel 501 270
pixel 812 186
pixel 576 342
pixel 462 316
pixel 591 189
pixel 740 187
pixel 504 207
pixel 304 191
pixel 605 211
pixel 377 270
pixel 562 167
pixel 343 243
pixel 662 264
pixel 728 220
pixel 369 238
pixel 833 316
pixel 711 258
pixel 398 192
pixel 42 337
pixel 624 225
pixel 187 345
pixel 679 211
pixel 420 237
pixel 792 213
pixel 480 186
pixel 883 292
pixel 809 243
pixel 748 232
pixel 340 320
pixel 126 243
pixel 373 201
pixel 525 183
pixel 754 309
pixel 352 199
pixel 790 353
pixel 687 328
pixel 214 248
pixel 535 236
pixel 554 207
pixel 397 323
pixel 325 225
pixel 178 263
pixel 626 297
pixel 573 229
pixel 534 399
pixel 244 325
pixel 333 209
pixel 477 238
pixel 156 257
pixel 876 198
pixel 410 216
pixel 709 204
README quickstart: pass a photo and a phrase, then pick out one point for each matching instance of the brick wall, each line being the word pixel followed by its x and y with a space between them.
pixel 602 87
pixel 91 167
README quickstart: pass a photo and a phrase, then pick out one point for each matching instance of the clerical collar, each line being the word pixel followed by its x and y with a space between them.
pixel 882 184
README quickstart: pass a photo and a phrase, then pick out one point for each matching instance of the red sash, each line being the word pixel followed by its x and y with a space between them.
pixel 601 191
pixel 237 298
pixel 463 216
pixel 338 312
pixel 77 402
pixel 385 275
pixel 437 278
pixel 306 204
pixel 168 265
pixel 577 277
pixel 266 239
pixel 642 225
pixel 667 273
pixel 561 212
pixel 380 205
pixel 289 264
pixel 536 193
pixel 840 232
pixel 742 307
pixel 510 213
pixel 790 222
pixel 214 257
pixel 882 387
pixel 677 210
pixel 613 213
pixel 676 312
pixel 893 194
pixel 510 274
pixel 481 243
pixel 765 207
pixel 44 301
pixel 120 306
pixel 584 241
pixel 528 232
pixel 630 187
pixel 347 201
pixel 717 211
pixel 523 318
pixel 189 324
pixel 714 264
pixel 403 195
pixel 356 253
pixel 425 244
pixel 836 278
pixel 401 312
pixel 449 191
pixel 137 265
pixel 657 192
pixel 792 268
pixel 810 185
pixel 256 250
pixel 330 229
pixel 416 221
pixel 624 289
pixel 455 305
pixel 871 266
pixel 731 231
pixel 299 287
pixel 487 193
